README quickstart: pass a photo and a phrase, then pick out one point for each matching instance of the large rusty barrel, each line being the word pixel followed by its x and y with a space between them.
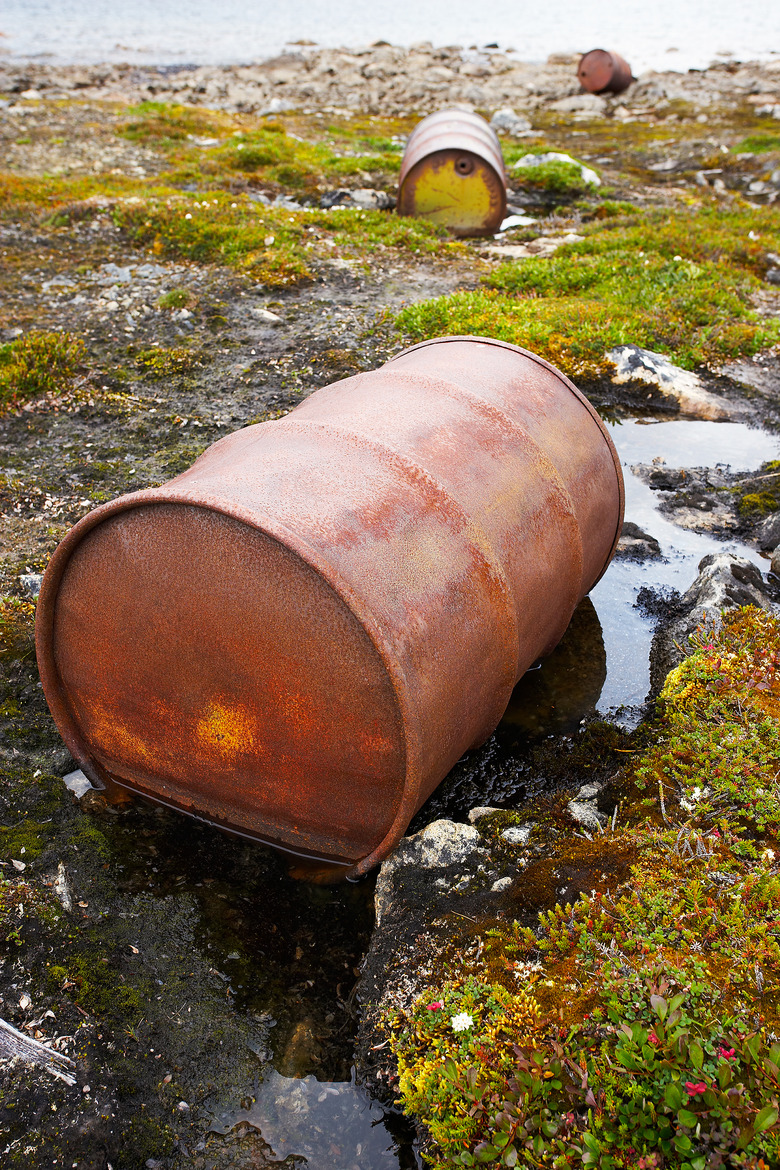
pixel 602 72
pixel 452 173
pixel 299 636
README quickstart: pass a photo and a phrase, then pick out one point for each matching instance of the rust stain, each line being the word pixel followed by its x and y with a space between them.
pixel 602 72
pixel 298 637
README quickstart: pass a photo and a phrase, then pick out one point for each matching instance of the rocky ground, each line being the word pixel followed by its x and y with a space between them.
pixel 147 949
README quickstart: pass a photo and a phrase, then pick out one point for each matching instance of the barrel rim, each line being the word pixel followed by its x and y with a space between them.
pixel 540 361
pixel 67 726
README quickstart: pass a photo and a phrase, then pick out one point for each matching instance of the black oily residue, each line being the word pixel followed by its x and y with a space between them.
pixel 538 744
pixel 284 950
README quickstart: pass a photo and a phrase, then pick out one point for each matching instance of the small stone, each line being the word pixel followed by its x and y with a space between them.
pixel 773 275
pixel 476 814
pixel 31 583
pixel 588 791
pixel 586 814
pixel 636 364
pixel 636 545
pixel 506 121
pixel 77 782
pixel 267 316
pixel 769 532
pixel 502 884
pixel 20 865
pixel 517 834
pixel 774 564
pixel 581 103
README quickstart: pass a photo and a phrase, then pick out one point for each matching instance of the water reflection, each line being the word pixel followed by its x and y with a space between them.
pixel 331 1126
pixel 554 698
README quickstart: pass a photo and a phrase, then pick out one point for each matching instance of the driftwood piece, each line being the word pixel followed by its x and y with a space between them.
pixel 14 1043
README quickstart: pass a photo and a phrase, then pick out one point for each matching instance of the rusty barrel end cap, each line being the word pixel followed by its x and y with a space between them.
pixel 200 661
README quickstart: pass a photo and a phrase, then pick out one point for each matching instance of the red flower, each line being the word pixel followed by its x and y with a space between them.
pixel 693 1090
pixel 653 1038
pixel 726 1053
pixel 435 1006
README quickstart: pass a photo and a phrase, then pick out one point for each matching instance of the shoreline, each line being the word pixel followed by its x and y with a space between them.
pixel 387 79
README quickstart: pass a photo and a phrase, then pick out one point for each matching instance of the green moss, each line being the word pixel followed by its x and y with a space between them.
pixel 177 298
pixel 24 910
pixel 657 992
pixel 17 629
pixel 275 246
pixel 165 125
pixel 679 283
pixel 161 362
pixel 38 365
pixel 757 144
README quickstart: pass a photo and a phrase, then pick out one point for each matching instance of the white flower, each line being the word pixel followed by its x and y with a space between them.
pixel 462 1022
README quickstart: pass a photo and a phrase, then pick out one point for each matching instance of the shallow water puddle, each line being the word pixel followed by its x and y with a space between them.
pixel 328 1124
pixel 626 630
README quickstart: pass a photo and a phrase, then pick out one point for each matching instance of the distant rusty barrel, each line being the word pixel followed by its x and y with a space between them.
pixel 603 72
pixel 452 173
pixel 299 636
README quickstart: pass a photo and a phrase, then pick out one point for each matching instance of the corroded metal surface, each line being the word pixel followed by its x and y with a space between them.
pixel 298 637
pixel 452 173
pixel 603 72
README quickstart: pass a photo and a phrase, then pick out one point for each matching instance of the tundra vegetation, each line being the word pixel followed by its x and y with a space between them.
pixel 143 316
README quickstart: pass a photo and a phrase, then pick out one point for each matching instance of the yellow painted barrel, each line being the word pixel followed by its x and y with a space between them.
pixel 452 173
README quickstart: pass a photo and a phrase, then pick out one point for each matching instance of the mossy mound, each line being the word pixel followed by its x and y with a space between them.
pixel 653 1039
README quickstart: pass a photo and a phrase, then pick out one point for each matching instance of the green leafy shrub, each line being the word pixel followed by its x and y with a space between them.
pixel 653 1039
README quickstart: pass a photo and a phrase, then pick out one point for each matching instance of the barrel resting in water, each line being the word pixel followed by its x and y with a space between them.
pixel 452 173
pixel 299 636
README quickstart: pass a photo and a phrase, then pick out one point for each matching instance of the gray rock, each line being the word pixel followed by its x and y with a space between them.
pixel 724 582
pixel 506 121
pixel 502 884
pixel 768 533
pixel 31 583
pixel 371 200
pixel 77 782
pixel 582 103
pixel 636 364
pixel 438 846
pixel 775 562
pixel 476 814
pixel 588 791
pixel 636 545
pixel 517 834
pixel 586 814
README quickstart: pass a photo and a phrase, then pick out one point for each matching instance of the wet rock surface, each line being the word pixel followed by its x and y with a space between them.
pixel 723 582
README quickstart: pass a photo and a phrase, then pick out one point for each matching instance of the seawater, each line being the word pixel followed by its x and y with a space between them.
pixel 669 34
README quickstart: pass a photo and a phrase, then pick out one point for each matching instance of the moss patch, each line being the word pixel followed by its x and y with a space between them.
pixel 656 992
pixel 678 283
pixel 38 365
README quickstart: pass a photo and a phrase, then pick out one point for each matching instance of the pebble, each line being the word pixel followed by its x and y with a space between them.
pixel 77 783
pixel 517 834
pixel 586 814
pixel 31 583
pixel 476 814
